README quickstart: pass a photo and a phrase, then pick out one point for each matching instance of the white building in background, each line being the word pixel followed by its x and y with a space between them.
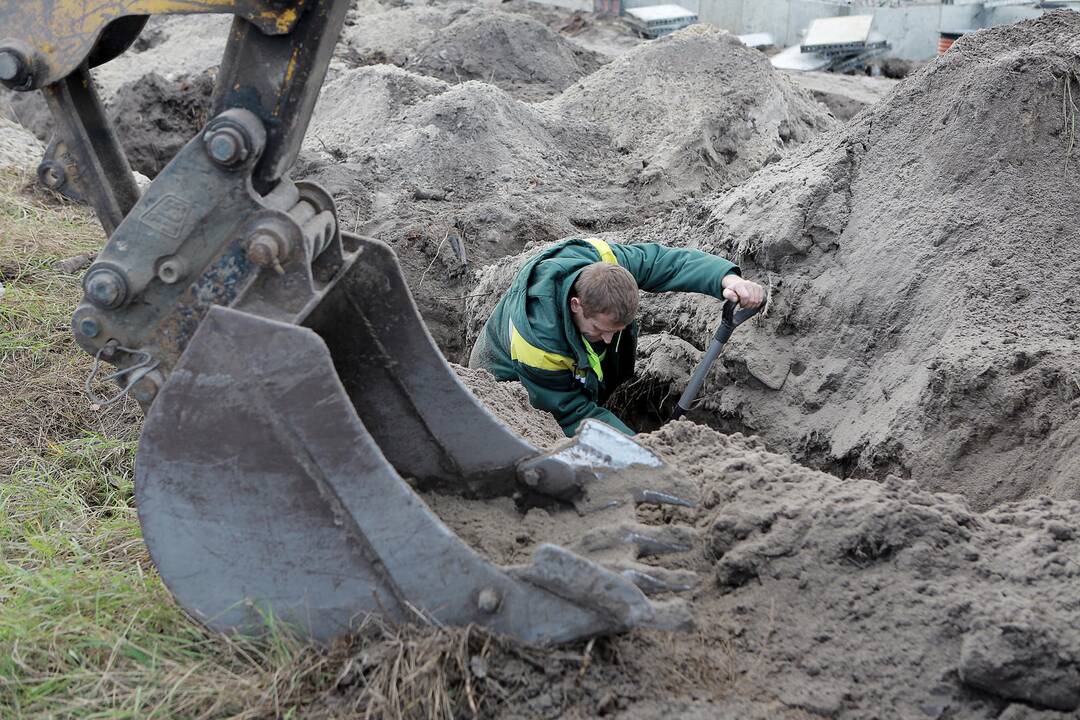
pixel 912 27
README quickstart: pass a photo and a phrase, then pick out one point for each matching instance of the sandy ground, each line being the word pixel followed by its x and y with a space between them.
pixel 844 95
pixel 18 148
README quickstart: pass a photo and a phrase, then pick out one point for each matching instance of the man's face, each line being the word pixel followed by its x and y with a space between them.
pixel 599 327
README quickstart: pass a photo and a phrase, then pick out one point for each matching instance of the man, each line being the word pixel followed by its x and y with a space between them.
pixel 566 328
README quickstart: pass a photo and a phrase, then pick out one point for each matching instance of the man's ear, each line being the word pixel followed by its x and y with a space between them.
pixel 575 304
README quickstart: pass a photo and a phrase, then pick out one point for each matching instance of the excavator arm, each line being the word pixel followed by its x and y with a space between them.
pixel 293 395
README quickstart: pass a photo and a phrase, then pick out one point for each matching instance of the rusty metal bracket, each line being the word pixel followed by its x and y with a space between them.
pixel 101 169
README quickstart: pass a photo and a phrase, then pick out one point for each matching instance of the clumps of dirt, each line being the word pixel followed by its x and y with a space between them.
pixel 922 261
pixel 891 599
pixel 18 148
pixel 460 42
pixel 697 107
pixel 155 117
pixel 843 598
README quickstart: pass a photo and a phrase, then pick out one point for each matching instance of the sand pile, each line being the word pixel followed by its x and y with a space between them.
pixel 18 148
pixel 844 95
pixel 923 263
pixel 459 42
pixel 841 598
pixel 698 106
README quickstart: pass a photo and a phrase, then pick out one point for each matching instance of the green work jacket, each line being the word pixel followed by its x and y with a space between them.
pixel 531 336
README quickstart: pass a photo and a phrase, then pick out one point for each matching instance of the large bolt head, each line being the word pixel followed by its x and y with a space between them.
pixel 145 390
pixel 267 249
pixel 89 327
pixel 226 146
pixel 488 600
pixel 14 68
pixel 10 65
pixel 105 288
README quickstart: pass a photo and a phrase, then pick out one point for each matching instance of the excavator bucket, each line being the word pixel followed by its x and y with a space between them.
pixel 294 398
pixel 272 480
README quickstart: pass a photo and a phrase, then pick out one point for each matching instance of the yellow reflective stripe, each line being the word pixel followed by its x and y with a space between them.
pixel 604 249
pixel 526 353
pixel 594 359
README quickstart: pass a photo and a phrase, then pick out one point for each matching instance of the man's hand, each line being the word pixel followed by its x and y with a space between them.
pixel 748 294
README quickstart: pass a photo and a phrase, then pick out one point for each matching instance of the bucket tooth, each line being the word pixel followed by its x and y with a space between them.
pixel 260 490
pixel 602 469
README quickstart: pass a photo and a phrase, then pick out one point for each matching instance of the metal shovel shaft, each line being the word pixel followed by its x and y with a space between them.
pixel 731 319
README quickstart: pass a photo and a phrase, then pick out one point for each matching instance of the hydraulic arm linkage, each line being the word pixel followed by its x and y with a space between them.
pixel 288 380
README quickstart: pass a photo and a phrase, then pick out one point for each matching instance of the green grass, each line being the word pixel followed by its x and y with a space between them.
pixel 86 627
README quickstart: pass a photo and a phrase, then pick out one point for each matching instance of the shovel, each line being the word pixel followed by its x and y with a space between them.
pixel 730 319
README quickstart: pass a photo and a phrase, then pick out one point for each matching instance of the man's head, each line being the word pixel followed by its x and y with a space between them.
pixel 603 301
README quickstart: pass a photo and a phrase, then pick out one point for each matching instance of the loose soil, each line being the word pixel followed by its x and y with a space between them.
pixel 830 597
pixel 844 95
pixel 18 148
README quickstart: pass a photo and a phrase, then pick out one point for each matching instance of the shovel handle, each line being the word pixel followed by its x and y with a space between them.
pixel 730 318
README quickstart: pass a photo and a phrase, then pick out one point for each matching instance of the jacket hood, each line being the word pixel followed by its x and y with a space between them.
pixel 547 280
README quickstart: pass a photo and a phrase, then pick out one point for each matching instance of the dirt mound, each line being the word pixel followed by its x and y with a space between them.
pixel 341 127
pixel 510 51
pixel 923 261
pixel 844 95
pixel 460 42
pixel 841 598
pixel 18 148
pixel 394 35
pixel 695 104
pixel 155 117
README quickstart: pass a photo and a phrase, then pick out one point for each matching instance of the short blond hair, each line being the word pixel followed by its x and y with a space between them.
pixel 607 289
